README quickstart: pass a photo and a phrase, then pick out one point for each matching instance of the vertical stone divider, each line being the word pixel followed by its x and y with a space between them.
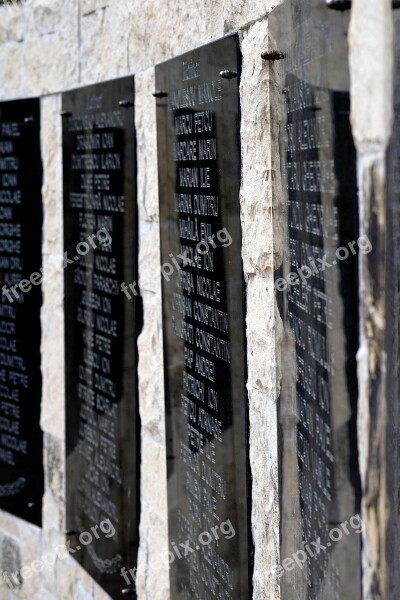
pixel 65 578
pixel 371 71
pixel 57 579
pixel 153 566
pixel 260 198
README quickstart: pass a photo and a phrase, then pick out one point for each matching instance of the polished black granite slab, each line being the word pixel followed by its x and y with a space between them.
pixel 101 328
pixel 198 121
pixel 21 440
pixel 317 293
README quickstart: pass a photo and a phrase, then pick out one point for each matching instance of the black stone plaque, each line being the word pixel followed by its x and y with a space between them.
pixel 21 444
pixel 101 327
pixel 203 321
pixel 317 290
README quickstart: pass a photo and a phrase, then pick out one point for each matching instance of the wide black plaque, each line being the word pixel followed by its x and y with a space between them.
pixel 317 293
pixel 101 327
pixel 203 321
pixel 21 445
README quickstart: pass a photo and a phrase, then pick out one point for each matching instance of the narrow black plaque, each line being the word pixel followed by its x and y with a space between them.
pixel 101 326
pixel 320 488
pixel 21 440
pixel 203 321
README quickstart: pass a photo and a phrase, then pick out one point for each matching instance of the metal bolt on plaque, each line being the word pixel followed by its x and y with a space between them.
pixel 129 591
pixel 226 74
pixel 272 55
pixel 125 103
pixel 339 4
pixel 160 94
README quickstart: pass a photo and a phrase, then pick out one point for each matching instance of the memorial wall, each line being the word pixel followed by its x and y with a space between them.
pixel 199 319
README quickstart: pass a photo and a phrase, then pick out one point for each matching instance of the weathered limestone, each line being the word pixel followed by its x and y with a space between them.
pixel 371 71
pixel 152 564
pixel 263 322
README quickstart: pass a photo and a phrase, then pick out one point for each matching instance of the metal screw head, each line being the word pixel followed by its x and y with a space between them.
pixel 65 113
pixel 125 103
pixel 30 504
pixel 228 74
pixel 339 4
pixel 272 55
pixel 160 94
pixel 29 120
pixel 129 591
